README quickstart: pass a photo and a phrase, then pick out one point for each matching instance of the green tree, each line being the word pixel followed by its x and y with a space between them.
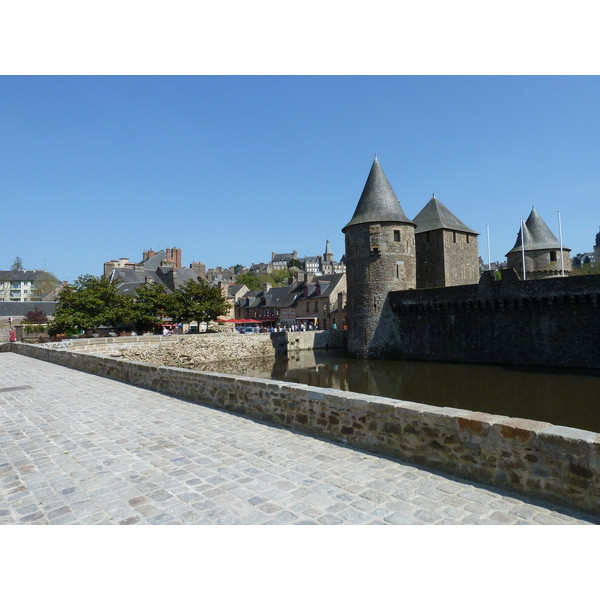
pixel 197 301
pixel 43 285
pixel 151 303
pixel 294 262
pixel 17 265
pixel 237 268
pixel 252 282
pixel 281 276
pixel 90 302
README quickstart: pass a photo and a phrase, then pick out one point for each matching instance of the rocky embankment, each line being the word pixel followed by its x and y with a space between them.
pixel 196 351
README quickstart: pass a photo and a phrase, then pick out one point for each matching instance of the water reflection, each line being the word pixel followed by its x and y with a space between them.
pixel 570 398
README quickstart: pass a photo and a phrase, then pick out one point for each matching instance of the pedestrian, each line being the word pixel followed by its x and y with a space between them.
pixel 12 335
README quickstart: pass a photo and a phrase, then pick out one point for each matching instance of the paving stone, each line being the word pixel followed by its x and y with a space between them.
pixel 503 517
pixel 479 509
pixel 160 519
pixel 399 519
pixel 80 449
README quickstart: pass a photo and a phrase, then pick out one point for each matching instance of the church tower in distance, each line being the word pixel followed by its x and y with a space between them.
pixel 380 258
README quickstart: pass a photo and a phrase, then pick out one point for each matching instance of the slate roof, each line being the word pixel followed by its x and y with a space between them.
pixel 232 290
pixel 436 216
pixel 537 236
pixel 285 297
pixel 283 257
pixel 131 278
pixel 21 275
pixel 378 203
pixel 328 283
pixel 154 262
pixel 20 309
pixel 184 274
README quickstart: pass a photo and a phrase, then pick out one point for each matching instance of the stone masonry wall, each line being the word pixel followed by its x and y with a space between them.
pixel 548 322
pixel 555 463
pixel 187 350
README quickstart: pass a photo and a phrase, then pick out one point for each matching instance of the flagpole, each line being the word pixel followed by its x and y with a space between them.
pixel 562 259
pixel 489 255
pixel 523 250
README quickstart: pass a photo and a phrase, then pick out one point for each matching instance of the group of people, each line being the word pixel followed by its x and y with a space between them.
pixel 294 327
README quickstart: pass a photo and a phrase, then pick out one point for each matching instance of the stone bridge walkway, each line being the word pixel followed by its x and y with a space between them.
pixel 80 449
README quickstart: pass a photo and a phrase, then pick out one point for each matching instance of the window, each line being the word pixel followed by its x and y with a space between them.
pixel 396 235
pixel 552 255
pixel 454 237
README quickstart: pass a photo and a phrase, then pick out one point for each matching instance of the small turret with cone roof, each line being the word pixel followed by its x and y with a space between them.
pixel 541 248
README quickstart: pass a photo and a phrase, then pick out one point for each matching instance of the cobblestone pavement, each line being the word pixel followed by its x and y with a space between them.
pixel 81 449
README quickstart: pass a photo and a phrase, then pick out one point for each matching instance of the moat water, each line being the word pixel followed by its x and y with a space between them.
pixel 558 396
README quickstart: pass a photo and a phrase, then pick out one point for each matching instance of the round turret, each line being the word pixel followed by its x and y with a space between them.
pixel 380 258
pixel 542 251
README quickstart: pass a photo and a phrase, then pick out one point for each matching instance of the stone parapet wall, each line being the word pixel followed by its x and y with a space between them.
pixel 555 463
pixel 316 340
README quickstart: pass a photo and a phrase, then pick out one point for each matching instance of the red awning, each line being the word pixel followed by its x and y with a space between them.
pixel 239 321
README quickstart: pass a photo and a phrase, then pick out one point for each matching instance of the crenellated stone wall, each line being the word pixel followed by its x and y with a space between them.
pixel 555 463
pixel 548 322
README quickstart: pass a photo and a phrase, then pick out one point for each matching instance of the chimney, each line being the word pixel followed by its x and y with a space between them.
pixel 266 287
pixel 173 278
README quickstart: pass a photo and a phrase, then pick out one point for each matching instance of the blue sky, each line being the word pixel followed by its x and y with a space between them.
pixel 231 168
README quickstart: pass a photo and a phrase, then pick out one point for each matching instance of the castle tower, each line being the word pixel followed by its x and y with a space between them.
pixel 380 258
pixel 447 250
pixel 542 251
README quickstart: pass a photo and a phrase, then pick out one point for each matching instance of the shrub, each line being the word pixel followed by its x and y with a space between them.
pixel 35 316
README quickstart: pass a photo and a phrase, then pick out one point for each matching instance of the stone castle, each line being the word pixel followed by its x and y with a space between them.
pixel 386 251
pixel 414 289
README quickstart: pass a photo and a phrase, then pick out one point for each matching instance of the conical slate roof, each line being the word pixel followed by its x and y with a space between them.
pixel 378 202
pixel 537 235
pixel 436 216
